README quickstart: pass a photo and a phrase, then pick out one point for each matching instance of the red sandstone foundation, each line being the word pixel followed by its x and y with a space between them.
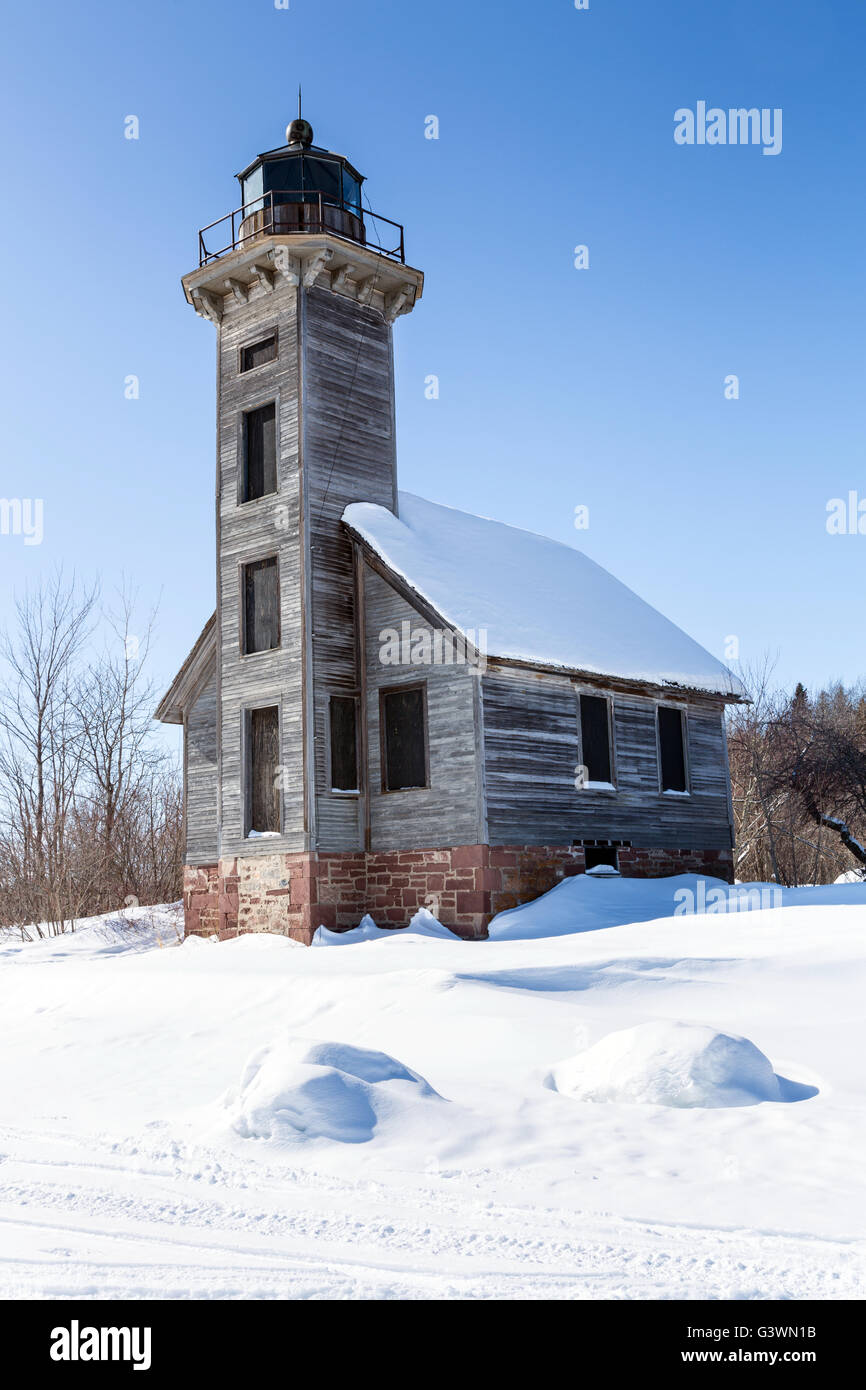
pixel 464 887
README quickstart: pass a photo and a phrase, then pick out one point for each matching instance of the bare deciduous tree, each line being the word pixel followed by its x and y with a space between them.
pixel 798 774
pixel 41 744
pixel 90 804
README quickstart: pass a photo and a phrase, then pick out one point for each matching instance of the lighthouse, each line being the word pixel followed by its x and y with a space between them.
pixel 400 709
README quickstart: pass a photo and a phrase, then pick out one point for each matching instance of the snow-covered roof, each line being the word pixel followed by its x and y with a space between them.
pixel 538 600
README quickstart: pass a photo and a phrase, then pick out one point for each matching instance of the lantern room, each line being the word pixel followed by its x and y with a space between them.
pixel 301 187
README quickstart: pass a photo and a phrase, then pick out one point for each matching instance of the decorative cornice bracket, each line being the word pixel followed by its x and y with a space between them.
pixel 315 264
pixel 400 302
pixel 288 267
pixel 365 289
pixel 240 291
pixel 209 306
pixel 341 280
pixel 264 273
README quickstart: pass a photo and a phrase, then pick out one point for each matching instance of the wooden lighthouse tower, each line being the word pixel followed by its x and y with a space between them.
pixel 302 286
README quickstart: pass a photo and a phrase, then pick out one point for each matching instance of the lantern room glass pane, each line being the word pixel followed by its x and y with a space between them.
pixel 285 178
pixel 322 176
pixel 252 190
pixel 351 192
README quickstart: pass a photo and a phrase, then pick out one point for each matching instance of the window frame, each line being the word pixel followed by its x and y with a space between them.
pixel 354 792
pixel 384 691
pixel 266 702
pixel 254 342
pixel 243 566
pixel 600 788
pixel 682 710
pixel 249 408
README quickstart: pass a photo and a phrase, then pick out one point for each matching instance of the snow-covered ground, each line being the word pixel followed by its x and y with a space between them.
pixel 411 1116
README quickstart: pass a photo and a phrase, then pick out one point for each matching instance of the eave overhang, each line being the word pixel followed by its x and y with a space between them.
pixel 324 259
pixel 196 668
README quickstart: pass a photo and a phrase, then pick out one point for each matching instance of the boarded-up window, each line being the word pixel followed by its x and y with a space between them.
pixel 344 752
pixel 256 354
pixel 595 737
pixel 672 749
pixel 261 587
pixel 260 453
pixel 404 738
pixel 263 768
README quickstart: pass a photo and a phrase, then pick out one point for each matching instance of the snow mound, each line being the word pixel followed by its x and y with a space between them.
pixel 590 901
pixel 262 941
pixel 663 1063
pixel 293 1090
pixel 593 901
pixel 422 924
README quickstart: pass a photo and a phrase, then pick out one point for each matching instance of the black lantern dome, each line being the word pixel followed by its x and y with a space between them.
pixel 301 187
pixel 300 132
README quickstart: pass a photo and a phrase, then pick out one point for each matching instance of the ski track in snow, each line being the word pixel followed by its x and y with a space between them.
pixel 82 1233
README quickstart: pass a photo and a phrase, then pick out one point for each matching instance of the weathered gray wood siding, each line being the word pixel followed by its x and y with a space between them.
pixel 348 455
pixel 270 525
pixel 503 748
pixel 449 811
pixel 201 775
pixel 531 752
pixel 332 382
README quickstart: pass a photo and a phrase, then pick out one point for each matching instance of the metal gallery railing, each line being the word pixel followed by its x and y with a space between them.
pixel 286 212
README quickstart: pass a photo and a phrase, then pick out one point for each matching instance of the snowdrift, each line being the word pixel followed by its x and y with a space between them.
pixel 665 1063
pixel 589 902
pixel 293 1090
pixel 423 924
pixel 127 931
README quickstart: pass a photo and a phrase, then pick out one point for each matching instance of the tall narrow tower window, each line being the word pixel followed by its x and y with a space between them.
pixel 261 600
pixel 262 771
pixel 595 738
pixel 260 453
pixel 672 749
pixel 344 743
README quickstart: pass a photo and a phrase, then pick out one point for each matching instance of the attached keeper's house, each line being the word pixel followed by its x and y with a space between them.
pixel 397 704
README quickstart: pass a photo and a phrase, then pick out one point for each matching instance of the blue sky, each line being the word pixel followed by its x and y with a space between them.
pixel 558 387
